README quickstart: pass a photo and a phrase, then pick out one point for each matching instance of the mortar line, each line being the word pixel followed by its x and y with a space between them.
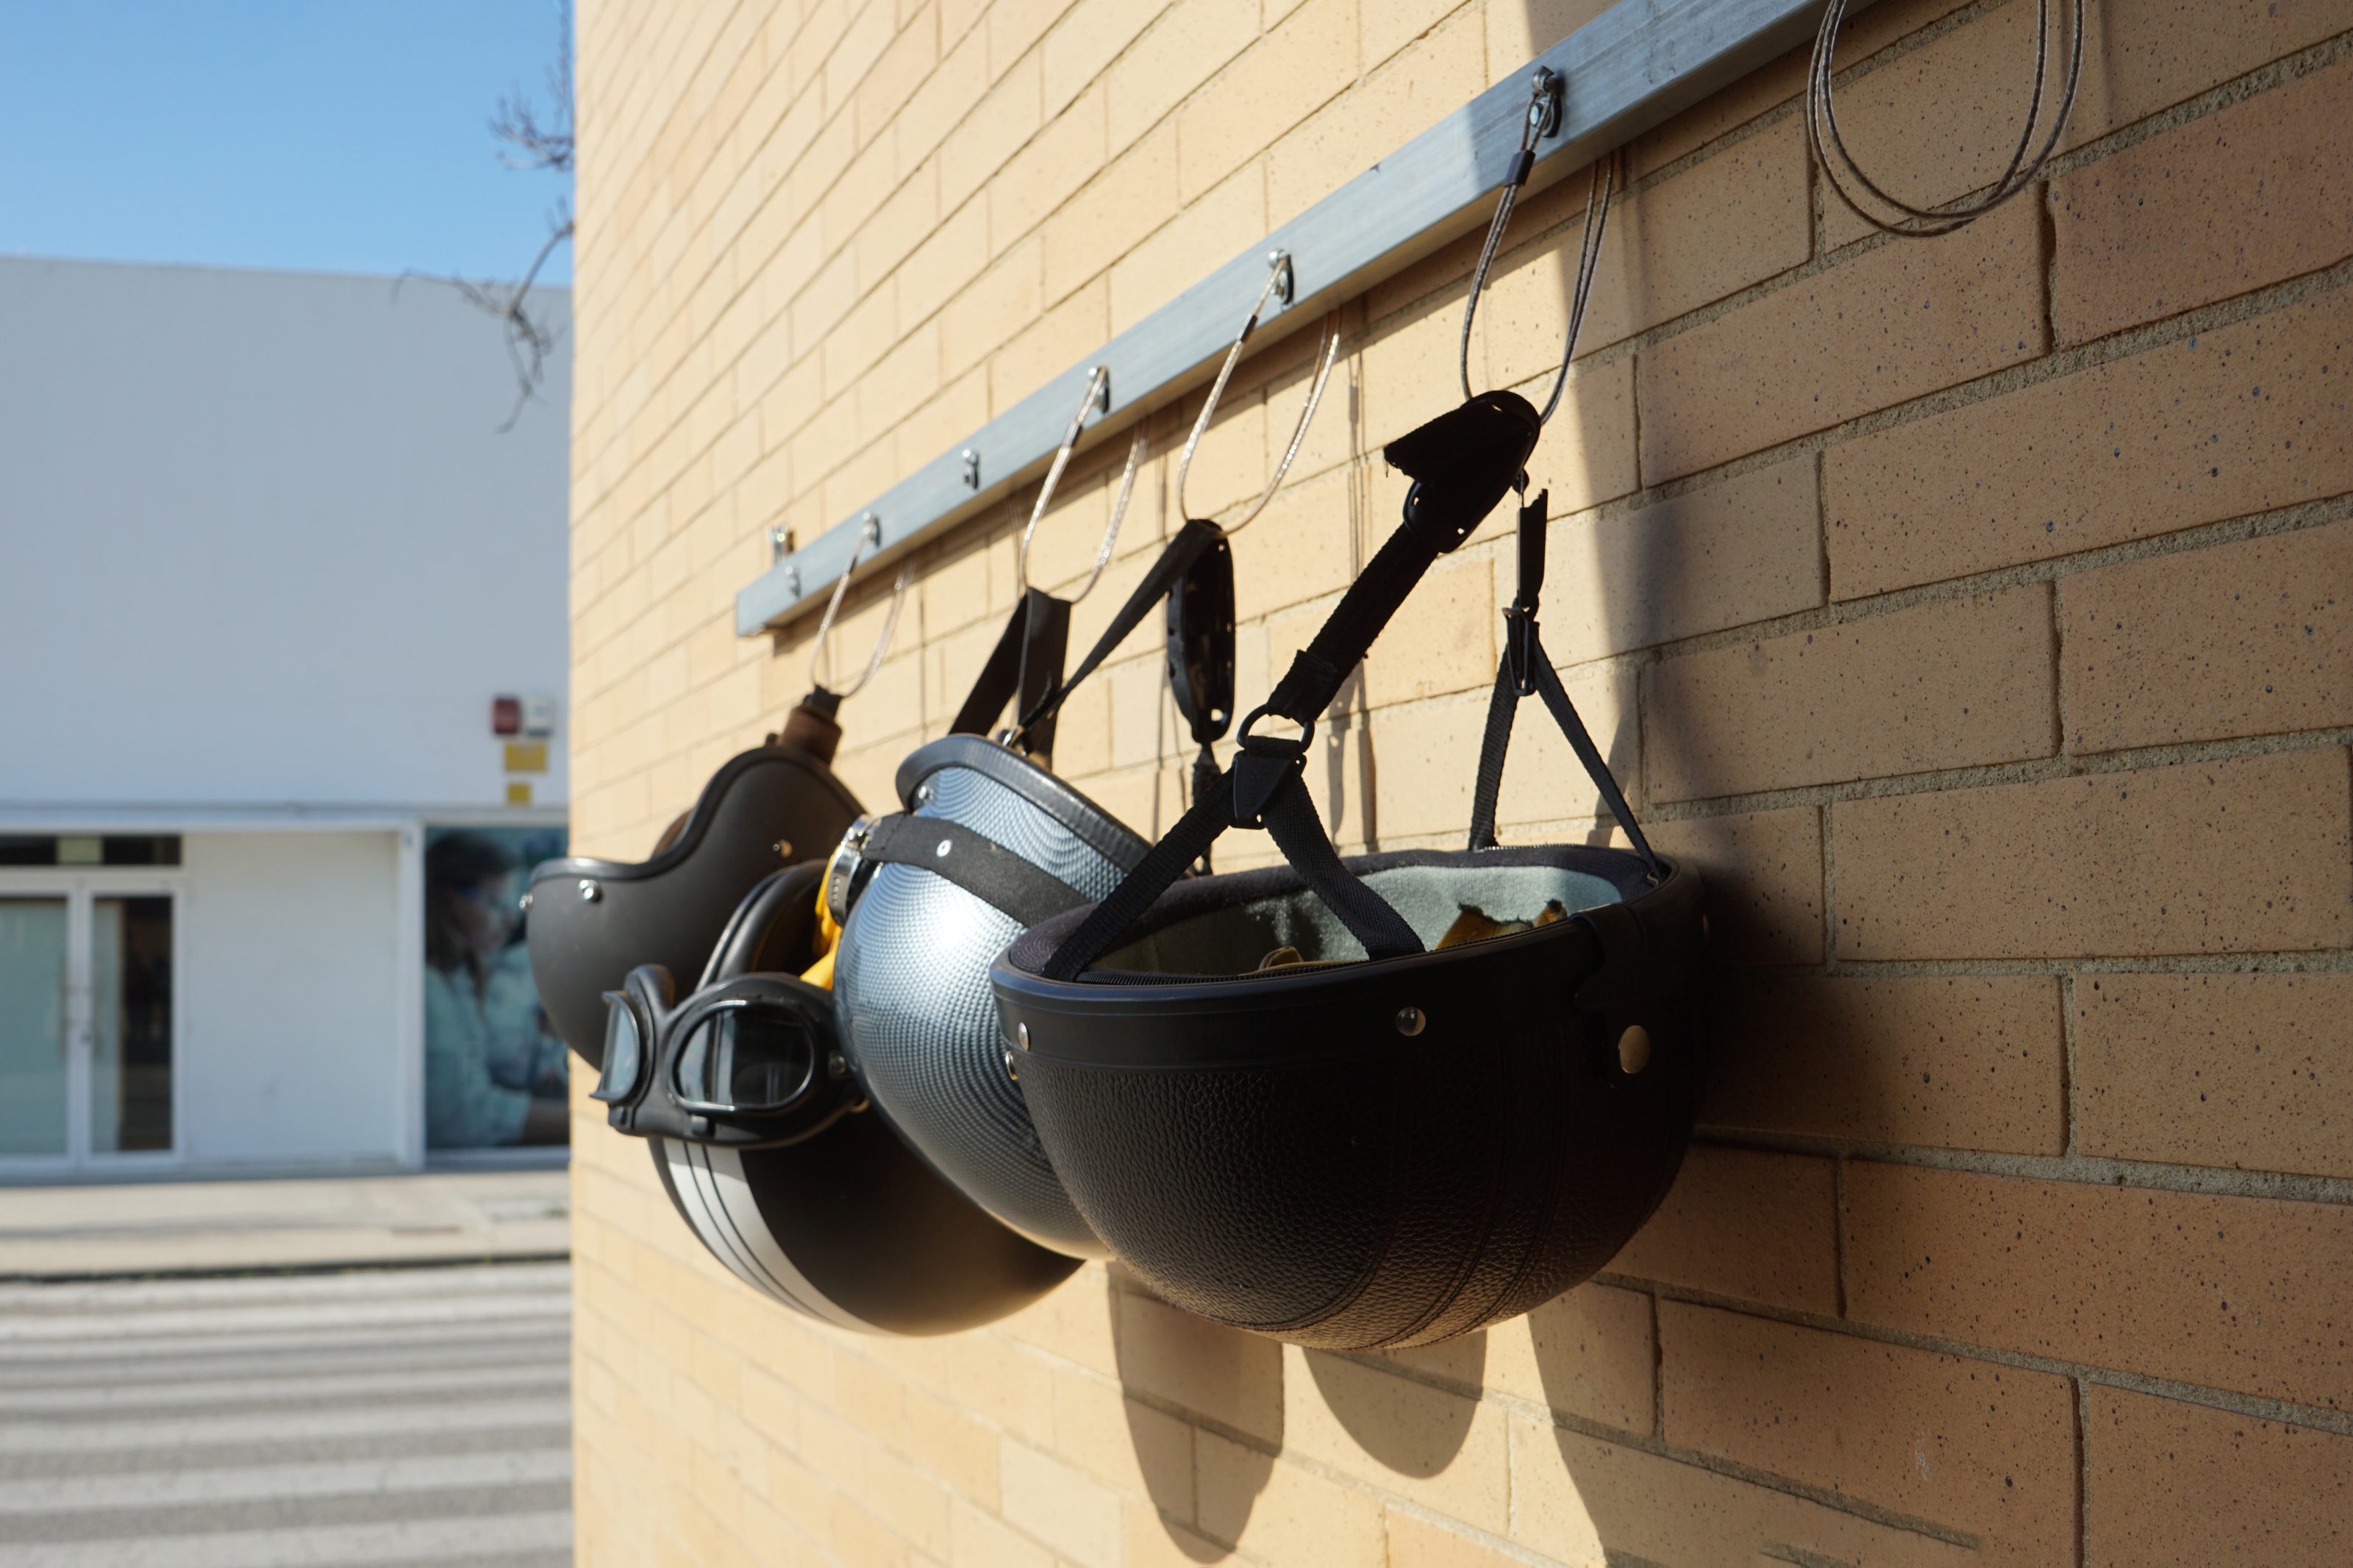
pixel 1657 1446
pixel 2040 770
pixel 2254 1407
pixel 1838 1237
pixel 2082 1412
pixel 1538 1410
pixel 1658 1372
pixel 2296 517
pixel 2070 1112
pixel 2077 1170
pixel 2237 90
pixel 2309 961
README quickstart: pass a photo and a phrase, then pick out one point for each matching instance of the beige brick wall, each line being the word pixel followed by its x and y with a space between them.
pixel 1977 613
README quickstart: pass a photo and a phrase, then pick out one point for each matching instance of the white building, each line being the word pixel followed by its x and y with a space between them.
pixel 265 560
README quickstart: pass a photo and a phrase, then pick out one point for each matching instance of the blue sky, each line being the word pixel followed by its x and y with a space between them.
pixel 329 135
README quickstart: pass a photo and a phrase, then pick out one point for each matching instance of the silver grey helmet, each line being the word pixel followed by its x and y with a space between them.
pixel 990 844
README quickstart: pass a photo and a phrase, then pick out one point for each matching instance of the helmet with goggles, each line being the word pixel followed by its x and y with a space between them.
pixel 768 1151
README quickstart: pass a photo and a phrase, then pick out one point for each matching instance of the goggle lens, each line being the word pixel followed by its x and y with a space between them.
pixel 749 1058
pixel 625 1053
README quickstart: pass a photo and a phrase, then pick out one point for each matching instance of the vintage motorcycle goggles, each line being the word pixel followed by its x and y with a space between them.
pixel 748 1063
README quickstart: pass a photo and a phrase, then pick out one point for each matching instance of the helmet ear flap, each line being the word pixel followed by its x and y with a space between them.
pixel 774 930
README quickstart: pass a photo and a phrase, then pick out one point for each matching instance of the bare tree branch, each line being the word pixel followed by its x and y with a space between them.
pixel 530 340
pixel 541 144
pixel 531 142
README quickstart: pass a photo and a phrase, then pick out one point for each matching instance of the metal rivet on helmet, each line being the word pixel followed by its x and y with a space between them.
pixel 1412 1021
pixel 1633 1049
pixel 589 891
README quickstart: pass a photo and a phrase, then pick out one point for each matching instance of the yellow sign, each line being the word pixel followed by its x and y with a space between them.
pixel 526 756
pixel 518 792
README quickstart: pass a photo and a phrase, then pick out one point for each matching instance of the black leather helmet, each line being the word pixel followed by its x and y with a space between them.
pixel 768 1151
pixel 1386 1100
pixel 593 922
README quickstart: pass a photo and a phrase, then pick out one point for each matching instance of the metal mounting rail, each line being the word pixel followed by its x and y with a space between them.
pixel 1637 64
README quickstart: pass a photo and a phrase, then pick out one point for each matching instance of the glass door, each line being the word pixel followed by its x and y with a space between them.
pixel 130 1025
pixel 34 1036
pixel 86 971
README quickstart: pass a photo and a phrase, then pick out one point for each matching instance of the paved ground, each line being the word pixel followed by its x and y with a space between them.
pixel 115 1230
pixel 386 1418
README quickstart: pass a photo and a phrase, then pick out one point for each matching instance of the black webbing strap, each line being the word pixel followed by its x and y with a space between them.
pixel 1025 664
pixel 1183 844
pixel 1525 671
pixel 1565 714
pixel 1191 542
pixel 981 867
pixel 1263 786
pixel 1291 819
pixel 1462 462
pixel 1299 833
pixel 1340 643
pixel 1501 708
pixel 1206 776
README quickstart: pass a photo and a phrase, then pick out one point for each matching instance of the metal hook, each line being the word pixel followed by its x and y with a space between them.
pixel 1543 119
pixel 1098 398
pixel 869 538
pixel 1280 284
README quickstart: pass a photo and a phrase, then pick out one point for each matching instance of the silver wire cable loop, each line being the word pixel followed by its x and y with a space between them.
pixel 1823 132
pixel 1298 431
pixel 1276 272
pixel 1135 448
pixel 869 537
pixel 1542 112
pixel 1096 395
pixel 1543 117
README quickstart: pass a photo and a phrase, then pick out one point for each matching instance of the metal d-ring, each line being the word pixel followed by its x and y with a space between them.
pixel 1098 398
pixel 869 538
pixel 1280 284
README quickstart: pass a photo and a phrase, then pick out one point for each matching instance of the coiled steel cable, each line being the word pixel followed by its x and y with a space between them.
pixel 1838 164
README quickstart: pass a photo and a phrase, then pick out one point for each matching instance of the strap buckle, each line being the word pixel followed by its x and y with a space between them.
pixel 1519 648
pixel 1263 764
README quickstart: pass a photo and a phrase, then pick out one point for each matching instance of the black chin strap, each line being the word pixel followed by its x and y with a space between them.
pixel 1463 463
pixel 1192 542
pixel 1026 665
pixel 1525 671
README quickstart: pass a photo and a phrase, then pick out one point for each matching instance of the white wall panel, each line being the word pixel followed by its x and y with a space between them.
pixel 292 1048
pixel 261 541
